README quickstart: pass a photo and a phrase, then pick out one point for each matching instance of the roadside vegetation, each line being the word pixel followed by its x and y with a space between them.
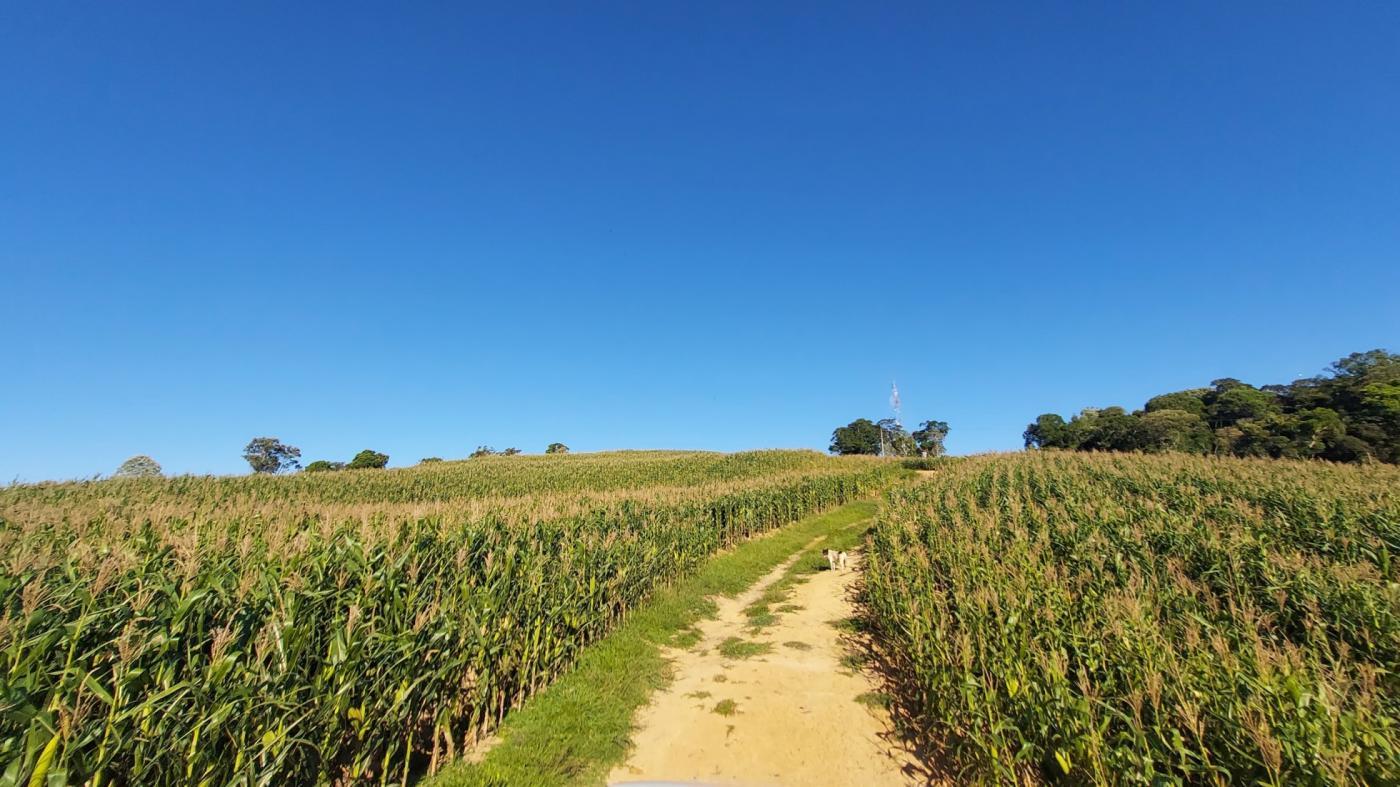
pixel 345 627
pixel 1109 619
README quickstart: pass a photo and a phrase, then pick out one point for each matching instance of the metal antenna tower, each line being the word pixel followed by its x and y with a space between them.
pixel 894 405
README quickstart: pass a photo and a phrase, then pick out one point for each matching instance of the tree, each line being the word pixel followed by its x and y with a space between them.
pixel 1080 429
pixel 557 448
pixel 1240 402
pixel 1109 429
pixel 1048 431
pixel 1226 440
pixel 510 452
pixel 322 465
pixel 1310 432
pixel 1384 398
pixel 1370 365
pixel 427 460
pixel 270 455
pixel 368 460
pixel 1172 430
pixel 1350 413
pixel 482 450
pixel 138 467
pixel 1349 449
pixel 894 440
pixel 1192 401
pixel 929 437
pixel 1261 438
pixel 860 436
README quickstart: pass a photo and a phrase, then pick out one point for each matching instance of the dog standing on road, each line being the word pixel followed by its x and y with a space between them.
pixel 835 559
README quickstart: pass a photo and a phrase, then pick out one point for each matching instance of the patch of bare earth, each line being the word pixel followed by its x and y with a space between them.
pixel 795 710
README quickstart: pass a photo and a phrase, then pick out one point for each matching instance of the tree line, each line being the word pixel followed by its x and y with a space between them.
pixel 887 437
pixel 1350 413
pixel 270 455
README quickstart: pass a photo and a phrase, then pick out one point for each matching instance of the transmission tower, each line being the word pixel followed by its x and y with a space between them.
pixel 898 424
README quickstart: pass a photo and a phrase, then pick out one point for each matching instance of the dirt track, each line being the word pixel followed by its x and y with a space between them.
pixel 800 714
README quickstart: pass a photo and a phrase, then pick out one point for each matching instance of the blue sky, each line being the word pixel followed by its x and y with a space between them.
pixel 706 225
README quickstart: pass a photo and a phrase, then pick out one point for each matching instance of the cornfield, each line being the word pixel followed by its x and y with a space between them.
pixel 352 627
pixel 1104 619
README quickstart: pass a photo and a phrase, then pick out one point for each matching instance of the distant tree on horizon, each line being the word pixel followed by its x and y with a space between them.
pixel 482 450
pixel 270 455
pixel 368 459
pixel 929 437
pixel 894 440
pixel 427 460
pixel 510 452
pixel 322 465
pixel 557 448
pixel 871 438
pixel 861 436
pixel 139 466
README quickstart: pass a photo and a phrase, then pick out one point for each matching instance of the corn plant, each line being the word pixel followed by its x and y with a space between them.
pixel 1104 619
pixel 344 627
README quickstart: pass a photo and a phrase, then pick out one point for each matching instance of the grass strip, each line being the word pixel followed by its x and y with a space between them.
pixel 577 729
pixel 766 609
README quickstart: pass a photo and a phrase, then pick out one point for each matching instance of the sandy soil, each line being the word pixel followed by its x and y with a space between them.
pixel 796 717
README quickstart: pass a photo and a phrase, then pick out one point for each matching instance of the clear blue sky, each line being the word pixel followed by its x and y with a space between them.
pixel 706 225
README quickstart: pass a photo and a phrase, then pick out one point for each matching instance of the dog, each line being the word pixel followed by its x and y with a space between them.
pixel 834 559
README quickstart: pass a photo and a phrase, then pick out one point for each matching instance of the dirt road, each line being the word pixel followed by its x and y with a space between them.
pixel 784 706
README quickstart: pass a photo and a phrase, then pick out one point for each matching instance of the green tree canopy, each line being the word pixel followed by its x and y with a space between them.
pixel 1349 414
pixel 557 448
pixel 894 439
pixel 1239 403
pixel 1109 429
pixel 1172 430
pixel 1192 401
pixel 270 455
pixel 929 437
pixel 368 460
pixel 139 466
pixel 860 436
pixel 1047 431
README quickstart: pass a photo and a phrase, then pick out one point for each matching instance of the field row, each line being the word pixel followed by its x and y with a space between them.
pixel 1112 619
pixel 304 649
pixel 484 477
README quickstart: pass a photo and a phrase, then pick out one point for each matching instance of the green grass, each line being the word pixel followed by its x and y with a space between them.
pixel 764 611
pixel 726 708
pixel 875 699
pixel 574 731
pixel 851 625
pixel 760 618
pixel 736 648
pixel 761 612
pixel 685 639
